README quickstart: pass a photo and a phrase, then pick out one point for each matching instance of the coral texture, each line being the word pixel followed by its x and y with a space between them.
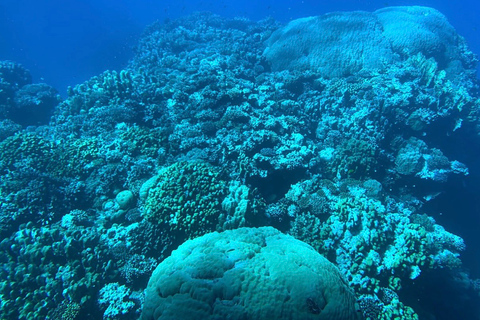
pixel 247 274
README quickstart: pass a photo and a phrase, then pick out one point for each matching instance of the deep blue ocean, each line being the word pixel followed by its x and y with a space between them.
pixel 239 160
pixel 66 42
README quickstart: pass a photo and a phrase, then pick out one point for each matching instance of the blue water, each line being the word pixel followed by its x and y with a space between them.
pixel 66 42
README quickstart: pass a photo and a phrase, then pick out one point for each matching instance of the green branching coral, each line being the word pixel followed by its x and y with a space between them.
pixel 146 142
pixel 66 310
pixel 385 306
pixel 189 199
pixel 68 159
pixel 81 156
pixel 186 197
pixel 51 272
pixel 38 152
pixel 357 158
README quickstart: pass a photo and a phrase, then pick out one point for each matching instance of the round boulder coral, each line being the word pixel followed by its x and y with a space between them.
pixel 248 273
pixel 185 197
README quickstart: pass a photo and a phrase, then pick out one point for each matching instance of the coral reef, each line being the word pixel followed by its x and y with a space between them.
pixel 203 131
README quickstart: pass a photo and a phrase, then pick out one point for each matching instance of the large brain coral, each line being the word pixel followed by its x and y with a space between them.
pixel 247 273
pixel 343 43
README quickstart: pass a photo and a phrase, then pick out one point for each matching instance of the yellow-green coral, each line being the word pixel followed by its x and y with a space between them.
pixel 357 157
pixel 397 310
pixel 31 148
pixel 186 197
pixel 145 141
pixel 69 158
pixel 80 156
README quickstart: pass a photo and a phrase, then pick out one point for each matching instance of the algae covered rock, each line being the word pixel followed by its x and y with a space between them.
pixel 247 273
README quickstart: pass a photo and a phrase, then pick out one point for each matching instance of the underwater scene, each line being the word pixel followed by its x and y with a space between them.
pixel 326 167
